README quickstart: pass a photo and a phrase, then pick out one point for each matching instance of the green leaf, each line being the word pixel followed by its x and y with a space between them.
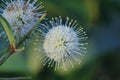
pixel 12 39
pixel 8 31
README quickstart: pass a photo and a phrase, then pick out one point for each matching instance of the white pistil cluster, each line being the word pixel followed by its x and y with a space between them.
pixel 63 43
pixel 60 40
pixel 21 15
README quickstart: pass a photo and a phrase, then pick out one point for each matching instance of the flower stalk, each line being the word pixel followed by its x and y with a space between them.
pixel 12 41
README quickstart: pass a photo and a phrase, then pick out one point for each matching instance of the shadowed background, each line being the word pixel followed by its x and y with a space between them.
pixel 101 20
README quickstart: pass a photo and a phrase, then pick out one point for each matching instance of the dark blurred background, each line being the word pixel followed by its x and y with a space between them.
pixel 101 20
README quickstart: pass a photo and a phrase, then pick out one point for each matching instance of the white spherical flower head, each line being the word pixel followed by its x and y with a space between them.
pixel 59 40
pixel 63 43
pixel 21 15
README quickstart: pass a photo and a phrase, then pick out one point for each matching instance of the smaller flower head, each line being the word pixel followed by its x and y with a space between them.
pixel 21 15
pixel 63 43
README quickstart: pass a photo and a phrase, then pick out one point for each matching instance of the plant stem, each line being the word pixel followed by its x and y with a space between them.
pixel 9 52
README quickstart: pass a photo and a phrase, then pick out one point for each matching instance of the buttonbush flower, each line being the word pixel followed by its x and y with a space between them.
pixel 63 43
pixel 21 15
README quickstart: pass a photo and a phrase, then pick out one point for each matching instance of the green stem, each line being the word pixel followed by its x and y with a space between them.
pixel 23 39
pixel 12 39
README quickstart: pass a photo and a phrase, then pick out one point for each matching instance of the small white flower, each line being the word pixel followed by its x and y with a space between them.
pixel 21 15
pixel 63 43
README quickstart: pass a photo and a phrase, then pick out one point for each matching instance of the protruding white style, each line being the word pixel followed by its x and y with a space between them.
pixel 63 43
pixel 21 15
